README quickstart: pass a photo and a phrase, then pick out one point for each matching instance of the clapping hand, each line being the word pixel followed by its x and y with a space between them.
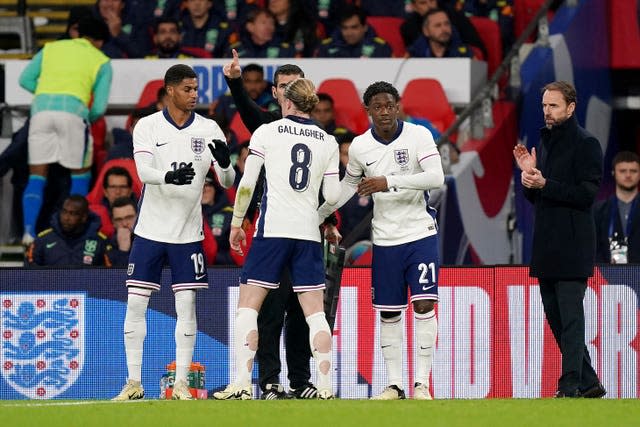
pixel 526 161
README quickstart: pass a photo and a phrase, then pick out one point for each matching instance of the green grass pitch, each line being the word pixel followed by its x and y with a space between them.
pixel 300 413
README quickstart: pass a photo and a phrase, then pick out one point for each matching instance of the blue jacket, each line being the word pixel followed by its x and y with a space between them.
pixel 274 49
pixel 370 47
pixel 212 37
pixel 54 247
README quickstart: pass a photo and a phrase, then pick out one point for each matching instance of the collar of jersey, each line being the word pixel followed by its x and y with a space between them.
pixel 303 120
pixel 395 135
pixel 165 112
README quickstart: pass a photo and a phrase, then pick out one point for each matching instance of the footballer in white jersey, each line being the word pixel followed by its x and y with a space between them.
pixel 397 163
pixel 162 145
pixel 173 150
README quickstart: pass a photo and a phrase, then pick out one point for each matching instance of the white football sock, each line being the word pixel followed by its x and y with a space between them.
pixel 391 345
pixel 246 341
pixel 426 326
pixel 135 329
pixel 320 336
pixel 185 332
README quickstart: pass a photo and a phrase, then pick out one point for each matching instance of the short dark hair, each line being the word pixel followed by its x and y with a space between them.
pixel 165 20
pixel 162 92
pixel 287 70
pixel 253 67
pixel 432 12
pixel 93 28
pixel 117 171
pixel 565 88
pixel 350 11
pixel 325 97
pixel 625 156
pixel 177 73
pixel 377 88
pixel 122 202
pixel 80 199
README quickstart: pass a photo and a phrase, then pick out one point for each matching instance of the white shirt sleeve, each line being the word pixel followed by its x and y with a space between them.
pixel 143 155
pixel 348 186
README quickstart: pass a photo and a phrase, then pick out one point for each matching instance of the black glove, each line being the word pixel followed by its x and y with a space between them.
pixel 220 152
pixel 181 176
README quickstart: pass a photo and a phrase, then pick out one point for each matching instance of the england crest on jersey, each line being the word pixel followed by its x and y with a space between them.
pixel 197 145
pixel 401 156
pixel 42 342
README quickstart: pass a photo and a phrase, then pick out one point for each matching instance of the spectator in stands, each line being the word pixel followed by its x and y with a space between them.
pixel 618 218
pixel 203 29
pixel 326 11
pixel 167 40
pixel 355 39
pixel 65 75
pixel 258 38
pixel 461 26
pixel 72 240
pixel 422 121
pixel 256 86
pixel 124 213
pixel 436 40
pixel 117 183
pixel 295 26
pixel 128 28
pixel 324 114
pixel 218 212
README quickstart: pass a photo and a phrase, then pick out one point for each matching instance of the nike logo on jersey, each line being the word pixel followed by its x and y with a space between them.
pixel 189 335
pixel 160 145
pixel 200 276
pixel 426 288
pixel 128 332
pixel 370 163
pixel 385 346
pixel 424 348
pixel 50 245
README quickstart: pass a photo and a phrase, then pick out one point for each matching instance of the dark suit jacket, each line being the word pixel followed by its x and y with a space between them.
pixel 602 216
pixel 564 241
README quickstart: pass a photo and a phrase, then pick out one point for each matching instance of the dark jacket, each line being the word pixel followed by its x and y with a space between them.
pixel 119 258
pixel 212 37
pixel 370 47
pixel 274 49
pixel 609 221
pixel 54 247
pixel 421 49
pixel 218 217
pixel 564 241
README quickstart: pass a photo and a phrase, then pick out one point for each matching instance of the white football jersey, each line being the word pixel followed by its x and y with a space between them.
pixel 167 212
pixel 297 155
pixel 399 215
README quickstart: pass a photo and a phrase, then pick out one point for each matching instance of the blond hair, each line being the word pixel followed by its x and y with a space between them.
pixel 302 93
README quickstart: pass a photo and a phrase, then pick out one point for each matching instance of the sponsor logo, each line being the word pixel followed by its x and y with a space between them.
pixel 160 145
pixel 50 245
pixel 43 342
pixel 426 288
pixel 370 163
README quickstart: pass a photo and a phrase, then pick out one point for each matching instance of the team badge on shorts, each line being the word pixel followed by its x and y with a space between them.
pixel 401 156
pixel 197 145
pixel 130 269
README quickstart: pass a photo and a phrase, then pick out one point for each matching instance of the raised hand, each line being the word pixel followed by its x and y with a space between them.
pixel 232 70
pixel 220 151
pixel 181 176
pixel 526 162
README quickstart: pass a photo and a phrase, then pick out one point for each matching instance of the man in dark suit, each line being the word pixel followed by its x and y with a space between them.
pixel 562 186
pixel 618 218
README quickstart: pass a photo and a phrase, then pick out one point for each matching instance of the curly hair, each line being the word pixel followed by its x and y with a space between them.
pixel 378 88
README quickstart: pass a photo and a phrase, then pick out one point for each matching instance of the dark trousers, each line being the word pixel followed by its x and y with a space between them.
pixel 562 301
pixel 270 321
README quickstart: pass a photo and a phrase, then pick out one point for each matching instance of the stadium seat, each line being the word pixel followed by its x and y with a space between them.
pixel 523 13
pixel 238 127
pixel 388 28
pixel 96 194
pixel 489 32
pixel 425 98
pixel 148 95
pixel 196 52
pixel 349 111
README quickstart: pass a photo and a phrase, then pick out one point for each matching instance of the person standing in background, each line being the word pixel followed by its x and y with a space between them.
pixel 71 80
pixel 562 183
